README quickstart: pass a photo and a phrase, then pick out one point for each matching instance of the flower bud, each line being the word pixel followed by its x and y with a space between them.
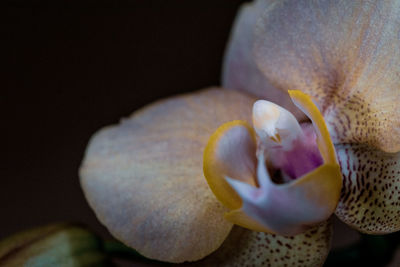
pixel 63 244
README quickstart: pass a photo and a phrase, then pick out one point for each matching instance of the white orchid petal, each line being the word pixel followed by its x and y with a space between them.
pixel 275 125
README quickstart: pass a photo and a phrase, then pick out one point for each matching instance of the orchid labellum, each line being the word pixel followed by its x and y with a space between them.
pixel 308 125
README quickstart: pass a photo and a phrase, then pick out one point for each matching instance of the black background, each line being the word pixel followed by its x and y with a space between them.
pixel 70 69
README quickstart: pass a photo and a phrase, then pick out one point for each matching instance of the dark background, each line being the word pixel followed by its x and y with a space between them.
pixel 70 69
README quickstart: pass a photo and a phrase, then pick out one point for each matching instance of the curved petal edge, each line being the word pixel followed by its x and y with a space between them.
pixel 144 177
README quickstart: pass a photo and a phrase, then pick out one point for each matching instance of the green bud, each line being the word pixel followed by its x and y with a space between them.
pixel 61 244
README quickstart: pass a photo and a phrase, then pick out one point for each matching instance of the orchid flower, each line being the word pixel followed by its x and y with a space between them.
pixel 277 163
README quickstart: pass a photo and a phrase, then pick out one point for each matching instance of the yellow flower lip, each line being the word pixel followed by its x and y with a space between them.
pixel 241 181
pixel 325 145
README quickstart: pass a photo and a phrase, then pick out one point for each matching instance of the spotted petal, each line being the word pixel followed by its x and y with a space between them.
pixel 343 53
pixel 144 177
pixel 248 248
pixel 370 198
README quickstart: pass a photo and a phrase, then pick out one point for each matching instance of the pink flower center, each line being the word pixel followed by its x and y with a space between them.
pixel 300 159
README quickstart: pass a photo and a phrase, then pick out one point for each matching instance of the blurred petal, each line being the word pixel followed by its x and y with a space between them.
pixel 144 177
pixel 240 71
pixel 230 152
pixel 61 245
pixel 343 53
pixel 248 248
pixel 370 198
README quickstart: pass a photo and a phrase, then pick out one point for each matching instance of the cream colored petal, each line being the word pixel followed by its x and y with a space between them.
pixel 144 177
pixel 370 197
pixel 248 248
pixel 239 69
pixel 346 55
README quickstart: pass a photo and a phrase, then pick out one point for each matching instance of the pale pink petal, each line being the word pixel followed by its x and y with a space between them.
pixel 346 55
pixel 144 177
pixel 240 71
